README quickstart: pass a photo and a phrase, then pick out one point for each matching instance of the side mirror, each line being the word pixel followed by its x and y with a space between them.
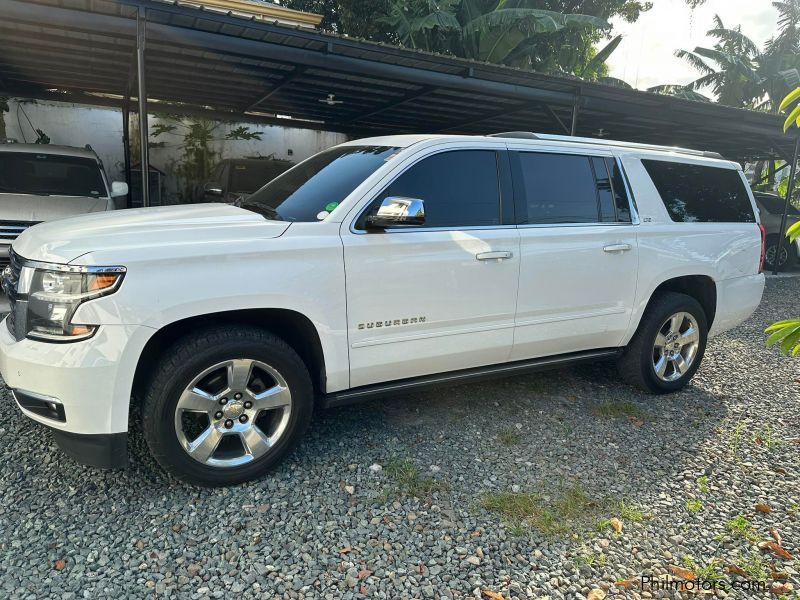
pixel 396 211
pixel 212 188
pixel 119 188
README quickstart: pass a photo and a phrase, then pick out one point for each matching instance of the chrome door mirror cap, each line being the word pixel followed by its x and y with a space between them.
pixel 398 211
pixel 212 188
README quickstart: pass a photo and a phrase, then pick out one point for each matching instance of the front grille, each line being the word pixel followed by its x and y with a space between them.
pixel 10 230
pixel 10 279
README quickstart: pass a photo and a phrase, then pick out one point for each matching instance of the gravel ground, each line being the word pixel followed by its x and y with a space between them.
pixel 682 473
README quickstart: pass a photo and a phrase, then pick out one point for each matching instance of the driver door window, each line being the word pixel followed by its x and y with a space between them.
pixel 459 188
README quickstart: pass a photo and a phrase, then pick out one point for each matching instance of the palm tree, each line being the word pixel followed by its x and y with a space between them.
pixel 739 73
pixel 730 68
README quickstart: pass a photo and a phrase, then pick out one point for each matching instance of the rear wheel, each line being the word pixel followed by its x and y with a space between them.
pixel 787 258
pixel 666 350
pixel 226 405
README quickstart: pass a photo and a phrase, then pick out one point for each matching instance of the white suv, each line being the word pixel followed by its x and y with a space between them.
pixel 375 267
pixel 40 182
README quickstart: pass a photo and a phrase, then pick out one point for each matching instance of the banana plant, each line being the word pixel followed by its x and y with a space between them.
pixel 786 334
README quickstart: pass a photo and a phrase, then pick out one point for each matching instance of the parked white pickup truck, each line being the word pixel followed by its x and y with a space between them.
pixel 378 266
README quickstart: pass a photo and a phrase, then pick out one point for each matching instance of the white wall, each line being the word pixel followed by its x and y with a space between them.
pixel 78 125
pixel 70 125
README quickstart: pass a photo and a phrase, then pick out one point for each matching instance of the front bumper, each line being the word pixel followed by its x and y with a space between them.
pixel 81 390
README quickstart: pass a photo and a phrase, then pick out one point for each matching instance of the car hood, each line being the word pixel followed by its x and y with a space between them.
pixel 30 207
pixel 119 232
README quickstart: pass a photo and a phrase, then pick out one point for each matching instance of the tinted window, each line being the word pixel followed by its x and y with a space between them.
pixel 621 199
pixel 699 194
pixel 50 174
pixel 774 205
pixel 317 184
pixel 605 193
pixel 459 188
pixel 559 188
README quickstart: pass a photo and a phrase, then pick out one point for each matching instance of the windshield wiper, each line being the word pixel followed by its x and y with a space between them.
pixel 261 209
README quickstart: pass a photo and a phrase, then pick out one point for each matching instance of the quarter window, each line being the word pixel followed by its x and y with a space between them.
pixel 701 194
pixel 460 188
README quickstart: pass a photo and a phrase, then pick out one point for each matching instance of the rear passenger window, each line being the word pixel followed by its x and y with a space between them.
pixel 569 188
pixel 460 189
pixel 700 194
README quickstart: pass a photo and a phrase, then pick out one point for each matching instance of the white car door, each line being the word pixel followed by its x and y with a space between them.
pixel 578 250
pixel 441 296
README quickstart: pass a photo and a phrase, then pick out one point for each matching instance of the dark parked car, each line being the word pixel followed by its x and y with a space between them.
pixel 233 178
pixel 771 207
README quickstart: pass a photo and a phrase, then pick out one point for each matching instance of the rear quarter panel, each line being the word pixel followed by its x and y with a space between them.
pixel 728 253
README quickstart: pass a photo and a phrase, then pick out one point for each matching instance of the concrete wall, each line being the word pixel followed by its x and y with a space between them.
pixel 78 125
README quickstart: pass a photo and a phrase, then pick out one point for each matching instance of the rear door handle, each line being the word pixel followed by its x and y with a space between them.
pixel 499 255
pixel 617 248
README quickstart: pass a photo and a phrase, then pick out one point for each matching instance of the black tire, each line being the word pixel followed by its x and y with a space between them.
pixel 789 253
pixel 635 364
pixel 180 364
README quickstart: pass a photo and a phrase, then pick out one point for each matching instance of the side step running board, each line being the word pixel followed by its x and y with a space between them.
pixel 402 386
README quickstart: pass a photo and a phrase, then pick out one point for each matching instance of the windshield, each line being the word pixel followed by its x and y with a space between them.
pixel 318 184
pixel 50 175
pixel 774 205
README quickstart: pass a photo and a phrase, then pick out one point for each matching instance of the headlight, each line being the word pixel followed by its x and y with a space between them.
pixel 54 294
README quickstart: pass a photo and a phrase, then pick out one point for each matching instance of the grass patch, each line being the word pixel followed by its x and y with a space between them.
pixel 755 566
pixel 407 480
pixel 702 484
pixel 710 572
pixel 509 437
pixel 693 506
pixel 618 408
pixel 569 511
pixel 741 527
pixel 765 436
pixel 591 559
pixel 735 436
pixel 628 512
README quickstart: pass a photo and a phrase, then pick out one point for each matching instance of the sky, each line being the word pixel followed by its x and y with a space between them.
pixel 646 55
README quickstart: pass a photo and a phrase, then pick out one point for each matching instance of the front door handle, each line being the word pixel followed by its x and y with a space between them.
pixel 617 248
pixel 499 255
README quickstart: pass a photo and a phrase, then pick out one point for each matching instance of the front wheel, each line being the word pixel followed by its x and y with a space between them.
pixel 666 350
pixel 226 405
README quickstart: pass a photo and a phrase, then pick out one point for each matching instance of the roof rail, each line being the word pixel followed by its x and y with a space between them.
pixel 529 135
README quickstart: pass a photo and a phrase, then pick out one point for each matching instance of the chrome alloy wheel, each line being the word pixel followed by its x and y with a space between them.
pixel 676 346
pixel 233 413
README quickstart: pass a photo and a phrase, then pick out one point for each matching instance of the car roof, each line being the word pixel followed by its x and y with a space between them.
pixel 49 149
pixel 542 140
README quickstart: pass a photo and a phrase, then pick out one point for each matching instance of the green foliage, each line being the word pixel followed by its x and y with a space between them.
pixel 243 133
pixel 786 335
pixel 408 481
pixel 739 73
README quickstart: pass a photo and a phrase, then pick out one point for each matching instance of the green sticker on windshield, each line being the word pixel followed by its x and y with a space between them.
pixel 330 206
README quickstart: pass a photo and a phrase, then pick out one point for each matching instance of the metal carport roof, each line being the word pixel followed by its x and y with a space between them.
pixel 224 65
